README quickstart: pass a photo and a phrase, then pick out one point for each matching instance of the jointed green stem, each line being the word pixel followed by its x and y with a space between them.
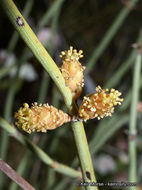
pixel 83 151
pixel 38 50
pixel 61 168
pixel 113 81
pixel 12 89
pixel 47 62
pixel 133 121
pixel 7 114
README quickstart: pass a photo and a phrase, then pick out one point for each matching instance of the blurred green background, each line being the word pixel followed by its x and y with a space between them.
pixel 105 31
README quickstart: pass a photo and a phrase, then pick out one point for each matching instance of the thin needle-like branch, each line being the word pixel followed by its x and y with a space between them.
pixel 47 62
pixel 61 168
pixel 133 120
pixel 5 168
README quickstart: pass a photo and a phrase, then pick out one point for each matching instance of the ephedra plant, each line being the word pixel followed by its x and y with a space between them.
pixel 44 117
pixel 96 105
pixel 69 79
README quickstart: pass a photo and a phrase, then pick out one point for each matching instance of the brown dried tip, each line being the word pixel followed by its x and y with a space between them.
pixel 100 104
pixel 40 118
pixel 72 70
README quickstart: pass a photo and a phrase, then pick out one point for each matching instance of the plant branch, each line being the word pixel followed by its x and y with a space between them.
pixel 133 120
pixel 61 168
pixel 47 62
pixel 14 176
pixel 38 50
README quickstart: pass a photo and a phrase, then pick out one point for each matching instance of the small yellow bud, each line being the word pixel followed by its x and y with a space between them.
pixel 72 70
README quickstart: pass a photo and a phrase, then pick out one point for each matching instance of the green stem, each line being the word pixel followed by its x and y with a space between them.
pixel 106 131
pixel 98 51
pixel 38 50
pixel 15 36
pixel 44 83
pixel 117 76
pixel 61 185
pixel 50 180
pixel 47 62
pixel 4 71
pixel 133 120
pixel 128 99
pixel 7 115
pixel 61 168
pixel 83 151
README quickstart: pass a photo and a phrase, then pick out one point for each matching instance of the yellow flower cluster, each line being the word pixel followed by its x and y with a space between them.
pixel 100 104
pixel 40 117
pixel 72 70
pixel 96 105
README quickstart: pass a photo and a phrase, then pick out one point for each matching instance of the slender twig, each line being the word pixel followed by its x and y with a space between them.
pixel 106 131
pixel 117 76
pixel 83 151
pixel 20 170
pixel 38 50
pixel 61 168
pixel 14 176
pixel 128 99
pixel 11 92
pixel 50 180
pixel 4 71
pixel 47 62
pixel 7 115
pixel 12 89
pixel 98 51
pixel 61 185
pixel 133 120
pixel 43 87
pixel 8 108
